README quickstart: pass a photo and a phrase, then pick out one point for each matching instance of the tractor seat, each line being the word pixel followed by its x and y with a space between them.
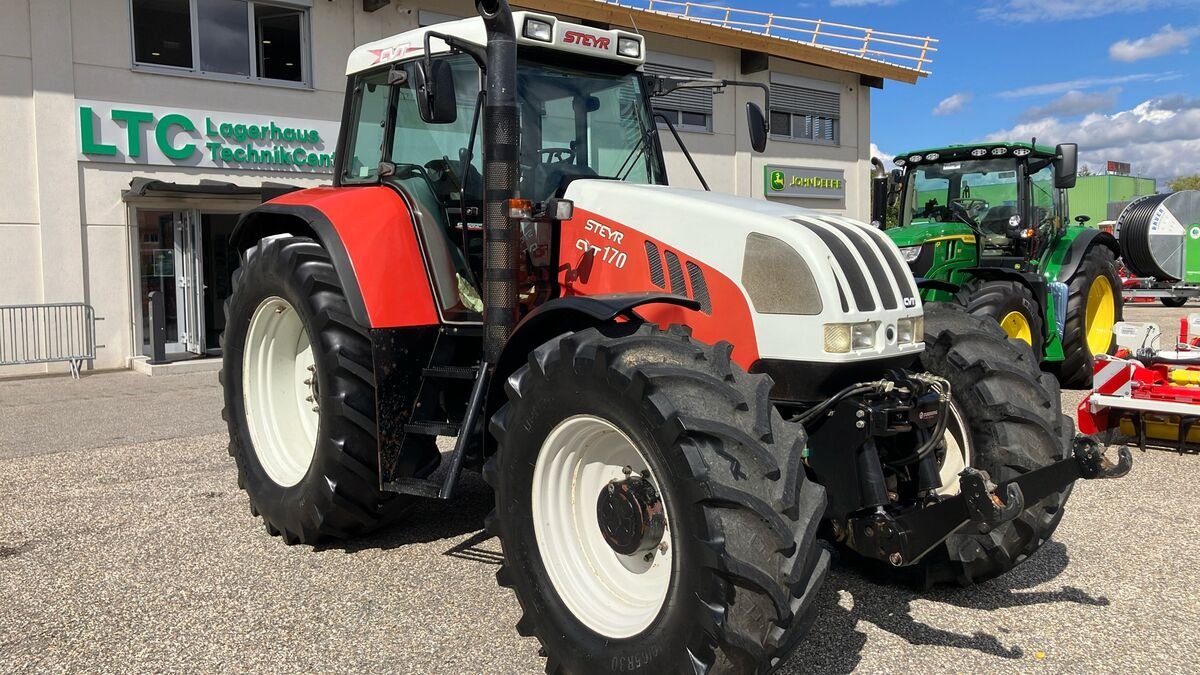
pixel 995 221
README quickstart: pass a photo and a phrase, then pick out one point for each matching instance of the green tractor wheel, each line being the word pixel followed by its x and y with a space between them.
pixel 1009 303
pixel 1094 305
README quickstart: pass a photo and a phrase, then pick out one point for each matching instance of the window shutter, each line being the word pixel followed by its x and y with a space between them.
pixel 688 100
pixel 805 101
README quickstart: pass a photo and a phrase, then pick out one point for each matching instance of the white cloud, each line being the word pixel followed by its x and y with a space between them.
pixel 952 104
pixel 1029 11
pixel 1159 137
pixel 1074 103
pixel 884 156
pixel 1165 41
pixel 1086 83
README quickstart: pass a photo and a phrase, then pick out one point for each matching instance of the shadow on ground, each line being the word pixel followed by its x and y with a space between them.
pixel 835 643
pixel 433 520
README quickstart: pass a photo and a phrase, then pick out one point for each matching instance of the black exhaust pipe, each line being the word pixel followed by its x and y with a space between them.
pixel 501 148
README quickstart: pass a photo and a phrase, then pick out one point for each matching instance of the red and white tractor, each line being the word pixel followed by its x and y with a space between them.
pixel 672 392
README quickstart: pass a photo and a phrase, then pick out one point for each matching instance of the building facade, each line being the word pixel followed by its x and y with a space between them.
pixel 139 130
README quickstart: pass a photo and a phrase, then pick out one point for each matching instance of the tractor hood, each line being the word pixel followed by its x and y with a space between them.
pixel 923 231
pixel 777 255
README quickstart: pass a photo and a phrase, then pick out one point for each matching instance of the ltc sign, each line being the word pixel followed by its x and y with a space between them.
pixel 805 182
pixel 135 134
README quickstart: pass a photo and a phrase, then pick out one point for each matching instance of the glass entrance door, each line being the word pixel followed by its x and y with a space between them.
pixel 189 281
pixel 184 255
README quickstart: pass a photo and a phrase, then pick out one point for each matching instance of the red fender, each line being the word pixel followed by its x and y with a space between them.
pixel 376 229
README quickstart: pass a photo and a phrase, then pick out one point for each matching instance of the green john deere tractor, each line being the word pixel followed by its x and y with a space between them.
pixel 987 225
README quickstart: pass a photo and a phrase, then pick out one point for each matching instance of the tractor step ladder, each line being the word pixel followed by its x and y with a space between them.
pixel 427 418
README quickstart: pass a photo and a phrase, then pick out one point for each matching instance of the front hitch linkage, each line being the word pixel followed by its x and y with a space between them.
pixel 902 539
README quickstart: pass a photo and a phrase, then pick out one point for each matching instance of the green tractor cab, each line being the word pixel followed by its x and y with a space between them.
pixel 988 226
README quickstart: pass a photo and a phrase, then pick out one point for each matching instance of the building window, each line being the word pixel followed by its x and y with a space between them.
pixel 687 109
pixel 243 39
pixel 804 114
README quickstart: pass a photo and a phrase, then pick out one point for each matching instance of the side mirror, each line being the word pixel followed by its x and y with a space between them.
pixel 758 126
pixel 1066 165
pixel 433 83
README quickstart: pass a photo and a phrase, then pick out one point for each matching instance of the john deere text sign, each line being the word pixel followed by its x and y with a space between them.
pixel 139 134
pixel 799 181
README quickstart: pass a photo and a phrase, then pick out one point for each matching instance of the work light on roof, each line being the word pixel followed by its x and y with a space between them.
pixel 1021 152
pixel 914 158
pixel 932 157
pixel 899 161
pixel 630 47
pixel 999 151
pixel 979 152
pixel 536 29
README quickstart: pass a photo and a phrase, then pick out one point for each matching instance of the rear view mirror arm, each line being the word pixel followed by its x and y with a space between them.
pixel 688 155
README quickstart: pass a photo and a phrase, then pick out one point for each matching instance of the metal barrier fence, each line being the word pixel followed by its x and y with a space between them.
pixel 48 333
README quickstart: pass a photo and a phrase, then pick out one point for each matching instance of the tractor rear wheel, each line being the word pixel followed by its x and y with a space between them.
pixel 1007 420
pixel 1094 306
pixel 300 398
pixel 1009 303
pixel 653 507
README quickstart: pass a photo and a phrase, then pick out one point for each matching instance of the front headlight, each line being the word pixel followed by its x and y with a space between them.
pixel 909 331
pixel 841 338
pixel 777 279
pixel 910 253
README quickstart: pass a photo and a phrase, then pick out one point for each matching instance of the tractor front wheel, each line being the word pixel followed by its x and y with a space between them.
pixel 653 507
pixel 1173 302
pixel 1009 303
pixel 1006 420
pixel 1094 306
pixel 300 397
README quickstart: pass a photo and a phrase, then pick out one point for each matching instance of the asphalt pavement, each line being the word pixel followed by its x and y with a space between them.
pixel 125 545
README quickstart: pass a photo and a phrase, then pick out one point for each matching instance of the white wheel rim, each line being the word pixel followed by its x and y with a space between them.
pixel 279 385
pixel 615 595
pixel 958 452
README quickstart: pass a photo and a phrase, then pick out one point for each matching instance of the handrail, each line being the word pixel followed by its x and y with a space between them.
pixel 910 52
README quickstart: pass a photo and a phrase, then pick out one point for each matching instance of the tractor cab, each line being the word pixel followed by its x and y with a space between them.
pixel 996 205
pixel 415 117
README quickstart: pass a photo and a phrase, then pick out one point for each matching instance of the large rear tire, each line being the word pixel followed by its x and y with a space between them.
pixel 300 398
pixel 1094 305
pixel 1014 424
pixel 1010 304
pixel 732 590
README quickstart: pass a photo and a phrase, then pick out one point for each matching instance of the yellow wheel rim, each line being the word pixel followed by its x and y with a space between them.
pixel 1017 326
pixel 1101 315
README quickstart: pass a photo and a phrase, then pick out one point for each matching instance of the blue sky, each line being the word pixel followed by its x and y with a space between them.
pixel 1121 77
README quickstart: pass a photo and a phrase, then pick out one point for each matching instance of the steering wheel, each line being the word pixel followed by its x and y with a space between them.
pixel 556 155
pixel 958 210
pixel 973 207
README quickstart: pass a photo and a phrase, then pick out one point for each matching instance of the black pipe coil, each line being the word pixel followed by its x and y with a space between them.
pixel 1133 233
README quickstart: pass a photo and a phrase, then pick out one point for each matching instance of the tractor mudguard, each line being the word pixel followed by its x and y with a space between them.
pixel 371 239
pixel 1069 252
pixel 936 285
pixel 575 313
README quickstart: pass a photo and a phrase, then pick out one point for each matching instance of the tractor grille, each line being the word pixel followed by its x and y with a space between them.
pixel 656 266
pixel 879 280
pixel 699 287
pixel 675 270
